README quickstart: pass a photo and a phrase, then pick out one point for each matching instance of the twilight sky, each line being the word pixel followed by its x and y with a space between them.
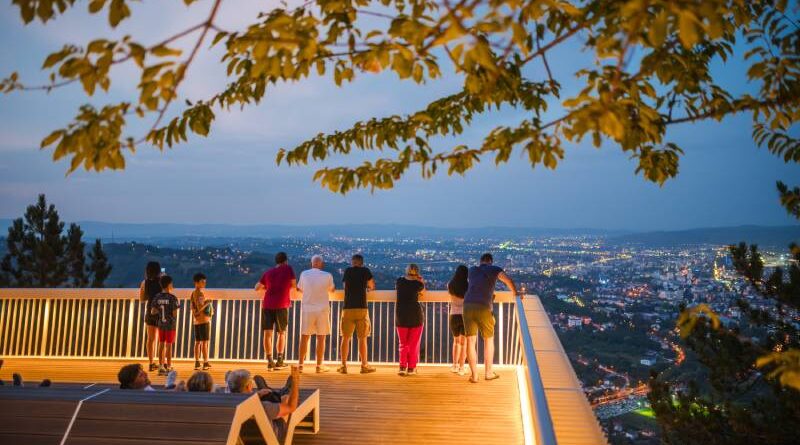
pixel 231 176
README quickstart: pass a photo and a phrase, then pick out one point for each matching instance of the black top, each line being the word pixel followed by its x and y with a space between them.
pixel 482 280
pixel 355 289
pixel 457 288
pixel 408 312
pixel 151 289
pixel 166 304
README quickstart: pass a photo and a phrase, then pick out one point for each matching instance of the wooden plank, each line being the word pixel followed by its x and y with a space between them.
pixel 127 441
pixel 435 407
pixel 137 430
pixel 31 439
pixel 22 426
pixel 155 413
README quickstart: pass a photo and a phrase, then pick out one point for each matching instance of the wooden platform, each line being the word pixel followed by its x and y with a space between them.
pixel 435 407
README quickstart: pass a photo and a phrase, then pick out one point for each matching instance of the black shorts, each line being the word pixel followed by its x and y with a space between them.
pixel 457 325
pixel 202 332
pixel 151 320
pixel 277 318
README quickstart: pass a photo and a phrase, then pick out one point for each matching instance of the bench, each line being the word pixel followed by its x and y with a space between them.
pixel 78 416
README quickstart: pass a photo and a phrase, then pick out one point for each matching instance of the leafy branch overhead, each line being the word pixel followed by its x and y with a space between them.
pixel 648 66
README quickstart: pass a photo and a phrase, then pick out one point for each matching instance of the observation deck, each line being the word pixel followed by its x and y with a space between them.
pixel 85 335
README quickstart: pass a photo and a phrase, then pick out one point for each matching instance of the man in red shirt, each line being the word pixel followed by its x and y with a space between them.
pixel 277 284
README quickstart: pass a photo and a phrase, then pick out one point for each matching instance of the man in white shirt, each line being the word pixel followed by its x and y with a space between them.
pixel 315 311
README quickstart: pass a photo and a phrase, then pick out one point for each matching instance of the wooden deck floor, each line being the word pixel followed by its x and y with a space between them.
pixel 435 407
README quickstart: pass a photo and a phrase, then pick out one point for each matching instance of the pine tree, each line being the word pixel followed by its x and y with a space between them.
pixel 40 255
pixel 76 256
pixel 36 248
pixel 99 267
pixel 752 394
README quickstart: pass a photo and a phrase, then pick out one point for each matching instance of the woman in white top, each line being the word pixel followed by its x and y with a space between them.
pixel 457 287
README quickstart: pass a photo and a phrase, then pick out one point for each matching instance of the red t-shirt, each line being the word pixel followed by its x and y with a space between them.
pixel 278 282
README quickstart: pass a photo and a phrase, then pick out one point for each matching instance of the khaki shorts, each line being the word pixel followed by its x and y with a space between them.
pixel 355 320
pixel 315 322
pixel 478 318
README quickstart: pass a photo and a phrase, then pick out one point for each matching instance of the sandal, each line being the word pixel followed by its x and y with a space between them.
pixel 494 376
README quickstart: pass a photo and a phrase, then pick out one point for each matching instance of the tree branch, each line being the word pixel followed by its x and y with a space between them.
pixel 205 26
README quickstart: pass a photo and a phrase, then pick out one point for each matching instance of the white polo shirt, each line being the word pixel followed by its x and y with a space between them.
pixel 315 283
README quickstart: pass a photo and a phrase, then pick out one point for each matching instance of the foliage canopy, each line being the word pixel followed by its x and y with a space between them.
pixel 652 69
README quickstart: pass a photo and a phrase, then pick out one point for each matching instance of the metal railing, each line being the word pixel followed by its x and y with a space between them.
pixel 543 430
pixel 108 323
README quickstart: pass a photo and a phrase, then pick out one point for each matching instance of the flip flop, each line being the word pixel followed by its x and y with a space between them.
pixel 494 376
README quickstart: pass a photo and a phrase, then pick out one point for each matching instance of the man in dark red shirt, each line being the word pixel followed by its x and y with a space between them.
pixel 277 284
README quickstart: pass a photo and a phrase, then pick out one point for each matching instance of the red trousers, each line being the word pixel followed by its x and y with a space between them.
pixel 409 346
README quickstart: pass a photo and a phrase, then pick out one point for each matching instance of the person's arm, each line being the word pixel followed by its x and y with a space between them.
pixel 331 286
pixel 260 285
pixel 142 296
pixel 289 403
pixel 203 301
pixel 508 282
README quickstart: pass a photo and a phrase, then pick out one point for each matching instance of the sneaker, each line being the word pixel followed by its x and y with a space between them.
pixel 206 366
pixel 367 369
pixel 17 379
pixel 279 364
pixel 172 377
pixel 322 369
pixel 260 382
pixel 196 365
pixel 462 371
pixel 342 369
pixel 402 371
pixel 412 371
pixel 270 364
pixel 153 367
pixel 46 383
pixel 454 369
pixel 162 370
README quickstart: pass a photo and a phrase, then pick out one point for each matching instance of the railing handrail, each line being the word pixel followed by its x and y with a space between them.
pixel 431 296
pixel 545 434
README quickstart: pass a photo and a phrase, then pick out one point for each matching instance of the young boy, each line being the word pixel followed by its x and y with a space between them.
pixel 201 316
pixel 166 306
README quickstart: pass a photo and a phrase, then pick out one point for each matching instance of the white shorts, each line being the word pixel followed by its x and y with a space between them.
pixel 315 323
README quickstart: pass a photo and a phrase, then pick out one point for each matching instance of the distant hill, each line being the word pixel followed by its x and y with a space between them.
pixel 771 236
pixel 142 232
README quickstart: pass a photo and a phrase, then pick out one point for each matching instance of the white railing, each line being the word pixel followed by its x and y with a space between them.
pixel 107 323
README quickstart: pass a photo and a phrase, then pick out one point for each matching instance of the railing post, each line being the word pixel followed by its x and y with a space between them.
pixel 219 321
pixel 502 338
pixel 46 328
pixel 131 304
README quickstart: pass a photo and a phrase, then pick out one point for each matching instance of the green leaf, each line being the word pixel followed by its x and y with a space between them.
pixel 117 12
pixel 164 51
pixel 96 5
pixel 688 29
pixel 51 138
